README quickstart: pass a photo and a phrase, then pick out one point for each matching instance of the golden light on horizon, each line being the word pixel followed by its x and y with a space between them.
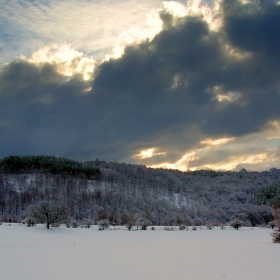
pixel 214 142
pixel 148 153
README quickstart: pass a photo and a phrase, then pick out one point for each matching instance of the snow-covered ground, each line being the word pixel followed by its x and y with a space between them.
pixel 61 253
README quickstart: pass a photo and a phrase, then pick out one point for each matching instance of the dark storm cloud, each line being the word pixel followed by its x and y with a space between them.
pixel 160 93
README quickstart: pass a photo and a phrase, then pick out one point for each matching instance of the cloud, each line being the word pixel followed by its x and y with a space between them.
pixel 193 95
pixel 151 152
pixel 68 61
pixel 92 27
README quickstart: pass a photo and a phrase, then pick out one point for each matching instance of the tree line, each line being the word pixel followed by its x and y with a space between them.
pixel 125 193
pixel 52 164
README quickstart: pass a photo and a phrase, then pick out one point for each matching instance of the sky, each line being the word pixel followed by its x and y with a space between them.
pixel 172 84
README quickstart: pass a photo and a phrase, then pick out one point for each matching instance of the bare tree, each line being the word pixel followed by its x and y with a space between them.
pixel 49 212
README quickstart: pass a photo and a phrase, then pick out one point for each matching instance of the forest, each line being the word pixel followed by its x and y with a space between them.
pixel 119 192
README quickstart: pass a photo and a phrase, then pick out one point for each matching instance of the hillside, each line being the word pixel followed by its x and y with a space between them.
pixel 117 191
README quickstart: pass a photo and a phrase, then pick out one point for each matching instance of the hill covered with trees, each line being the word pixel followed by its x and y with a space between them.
pixel 99 190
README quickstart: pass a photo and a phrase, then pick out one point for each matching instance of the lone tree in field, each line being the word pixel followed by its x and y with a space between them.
pixel 276 232
pixel 236 223
pixel 49 212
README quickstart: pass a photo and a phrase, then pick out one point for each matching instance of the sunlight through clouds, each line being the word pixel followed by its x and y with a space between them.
pixel 92 27
pixel 181 164
pixel 153 23
pixel 69 61
pixel 233 162
pixel 172 84
pixel 214 142
pixel 222 96
pixel 148 153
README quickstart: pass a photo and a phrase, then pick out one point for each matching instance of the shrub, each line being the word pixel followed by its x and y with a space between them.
pixel 275 236
pixel 143 223
pixel 182 227
pixel 75 224
pixel 88 223
pixel 30 221
pixel 236 223
pixel 129 225
pixel 272 224
pixel 198 222
pixel 212 223
pixel 169 228
pixel 7 218
pixel 209 225
pixel 276 233
pixel 103 224
pixel 56 224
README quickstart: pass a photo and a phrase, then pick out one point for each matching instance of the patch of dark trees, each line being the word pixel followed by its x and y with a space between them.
pixel 99 190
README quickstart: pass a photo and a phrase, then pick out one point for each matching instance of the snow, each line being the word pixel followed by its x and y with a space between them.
pixel 61 253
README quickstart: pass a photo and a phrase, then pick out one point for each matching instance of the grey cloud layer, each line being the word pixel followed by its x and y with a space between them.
pixel 158 94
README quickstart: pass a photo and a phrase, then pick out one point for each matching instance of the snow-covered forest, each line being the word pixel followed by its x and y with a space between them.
pixel 100 190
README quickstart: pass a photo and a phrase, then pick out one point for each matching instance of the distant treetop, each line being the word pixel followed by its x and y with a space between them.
pixel 50 164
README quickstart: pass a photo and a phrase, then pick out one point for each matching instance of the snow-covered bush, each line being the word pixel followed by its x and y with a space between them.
pixel 169 228
pixel 143 223
pixel 236 223
pixel 7 218
pixel 30 221
pixel 199 222
pixel 272 224
pixel 56 225
pixel 212 223
pixel 74 224
pixel 141 220
pixel 209 225
pixel 183 227
pixel 129 225
pixel 276 232
pixel 103 224
pixel 88 223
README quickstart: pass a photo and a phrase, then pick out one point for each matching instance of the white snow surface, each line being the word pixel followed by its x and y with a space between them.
pixel 62 253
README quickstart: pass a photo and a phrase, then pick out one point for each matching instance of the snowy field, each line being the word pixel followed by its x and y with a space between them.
pixel 61 253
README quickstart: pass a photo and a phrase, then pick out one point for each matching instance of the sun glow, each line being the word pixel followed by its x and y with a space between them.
pixel 222 96
pixel 181 164
pixel 215 142
pixel 69 62
pixel 234 162
pixel 148 153
pixel 153 24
